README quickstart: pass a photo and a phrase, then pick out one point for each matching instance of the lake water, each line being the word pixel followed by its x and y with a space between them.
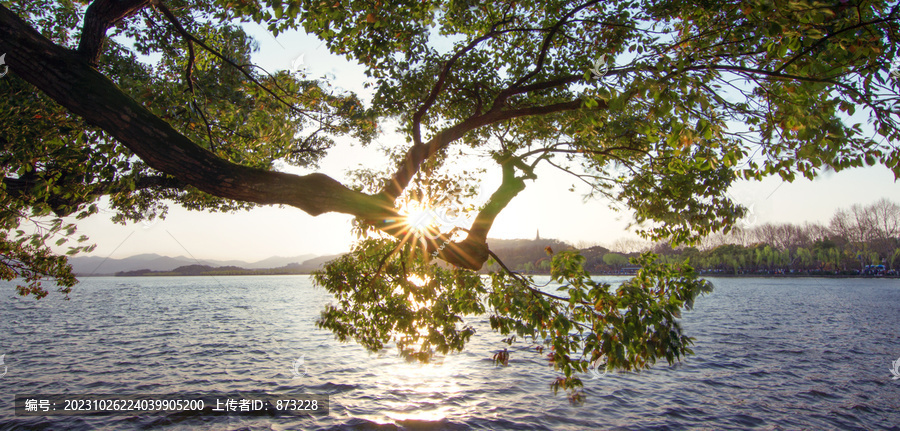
pixel 769 354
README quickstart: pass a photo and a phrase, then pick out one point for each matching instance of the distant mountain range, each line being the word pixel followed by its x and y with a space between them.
pixel 518 254
pixel 95 265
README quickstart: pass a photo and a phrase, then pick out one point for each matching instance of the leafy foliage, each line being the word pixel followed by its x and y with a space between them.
pixel 386 291
pixel 593 325
pixel 694 96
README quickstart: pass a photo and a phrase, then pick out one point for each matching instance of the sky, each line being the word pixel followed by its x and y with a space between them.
pixel 544 205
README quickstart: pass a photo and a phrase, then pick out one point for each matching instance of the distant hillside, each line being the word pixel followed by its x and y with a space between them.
pixel 314 263
pixel 528 255
pixel 96 265
pixel 192 270
pixel 197 270
pixel 278 261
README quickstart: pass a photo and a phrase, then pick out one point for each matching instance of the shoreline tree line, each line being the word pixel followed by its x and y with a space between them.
pixel 854 238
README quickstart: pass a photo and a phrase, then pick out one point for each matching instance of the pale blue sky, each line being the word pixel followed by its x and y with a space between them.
pixel 544 205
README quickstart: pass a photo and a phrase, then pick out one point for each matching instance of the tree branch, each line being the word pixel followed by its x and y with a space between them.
pixel 64 75
pixel 524 283
pixel 417 154
pixel 189 68
pixel 509 188
pixel 420 152
pixel 473 248
pixel 99 17
pixel 240 68
pixel 442 78
pixel 824 39
pixel 545 46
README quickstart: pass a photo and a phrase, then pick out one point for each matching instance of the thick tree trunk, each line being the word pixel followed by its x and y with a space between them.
pixel 67 77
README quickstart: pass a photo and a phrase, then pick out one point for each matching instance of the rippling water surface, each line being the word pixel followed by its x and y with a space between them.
pixel 770 354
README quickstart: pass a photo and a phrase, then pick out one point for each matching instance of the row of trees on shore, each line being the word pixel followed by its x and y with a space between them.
pixel 854 239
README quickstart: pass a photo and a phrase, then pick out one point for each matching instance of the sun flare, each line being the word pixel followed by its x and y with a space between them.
pixel 419 218
pixel 418 280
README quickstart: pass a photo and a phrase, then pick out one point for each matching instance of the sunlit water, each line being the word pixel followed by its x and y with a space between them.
pixel 770 354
